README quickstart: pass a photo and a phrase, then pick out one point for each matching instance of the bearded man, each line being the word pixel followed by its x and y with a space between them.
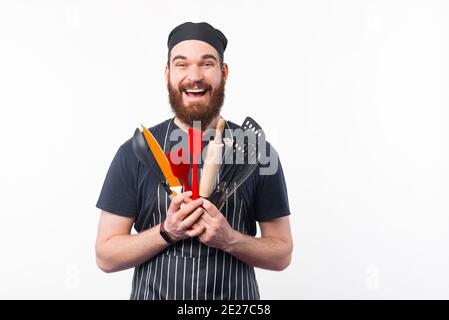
pixel 185 248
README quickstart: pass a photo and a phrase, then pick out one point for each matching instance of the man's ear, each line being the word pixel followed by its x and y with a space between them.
pixel 225 71
pixel 167 74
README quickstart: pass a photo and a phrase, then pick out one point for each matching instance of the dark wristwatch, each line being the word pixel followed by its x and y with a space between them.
pixel 164 234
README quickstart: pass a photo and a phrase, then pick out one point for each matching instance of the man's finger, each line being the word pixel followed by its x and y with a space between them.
pixel 210 207
pixel 189 208
pixel 194 232
pixel 187 222
pixel 178 200
pixel 196 224
pixel 207 218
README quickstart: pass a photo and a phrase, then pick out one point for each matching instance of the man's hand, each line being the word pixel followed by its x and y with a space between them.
pixel 272 251
pixel 180 219
pixel 217 232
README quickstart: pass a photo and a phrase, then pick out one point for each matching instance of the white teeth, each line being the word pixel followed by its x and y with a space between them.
pixel 195 90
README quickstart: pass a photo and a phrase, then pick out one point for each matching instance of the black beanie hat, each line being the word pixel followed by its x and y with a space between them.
pixel 198 31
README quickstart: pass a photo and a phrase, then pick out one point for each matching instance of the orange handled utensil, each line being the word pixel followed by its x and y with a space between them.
pixel 162 161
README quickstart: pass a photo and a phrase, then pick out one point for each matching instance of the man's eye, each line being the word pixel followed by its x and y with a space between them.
pixel 208 64
pixel 181 65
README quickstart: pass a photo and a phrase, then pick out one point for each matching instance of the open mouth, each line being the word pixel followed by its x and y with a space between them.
pixel 195 93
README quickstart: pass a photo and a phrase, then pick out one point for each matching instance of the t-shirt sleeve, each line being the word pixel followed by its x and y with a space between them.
pixel 119 192
pixel 271 198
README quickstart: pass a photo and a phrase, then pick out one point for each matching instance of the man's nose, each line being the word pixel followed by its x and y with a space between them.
pixel 194 74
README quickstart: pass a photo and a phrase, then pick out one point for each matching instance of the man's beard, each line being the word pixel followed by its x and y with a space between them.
pixel 199 111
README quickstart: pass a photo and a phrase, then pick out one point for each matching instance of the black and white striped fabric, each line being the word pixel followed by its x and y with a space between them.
pixel 190 270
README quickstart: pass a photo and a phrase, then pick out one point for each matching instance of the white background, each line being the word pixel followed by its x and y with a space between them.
pixel 353 94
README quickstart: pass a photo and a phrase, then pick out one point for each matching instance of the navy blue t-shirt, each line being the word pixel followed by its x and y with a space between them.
pixel 130 188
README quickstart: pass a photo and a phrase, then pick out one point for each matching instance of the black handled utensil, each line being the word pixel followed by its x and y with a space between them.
pixel 142 152
pixel 245 159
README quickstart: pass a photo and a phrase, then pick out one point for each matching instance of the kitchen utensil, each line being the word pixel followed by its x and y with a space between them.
pixel 142 152
pixel 172 181
pixel 181 169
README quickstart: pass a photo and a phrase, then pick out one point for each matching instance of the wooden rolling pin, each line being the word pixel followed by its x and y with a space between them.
pixel 212 161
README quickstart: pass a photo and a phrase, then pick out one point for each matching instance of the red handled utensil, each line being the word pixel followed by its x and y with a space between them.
pixel 181 169
pixel 195 148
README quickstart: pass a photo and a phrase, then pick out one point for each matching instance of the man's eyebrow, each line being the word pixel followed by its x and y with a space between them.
pixel 179 57
pixel 203 57
pixel 208 56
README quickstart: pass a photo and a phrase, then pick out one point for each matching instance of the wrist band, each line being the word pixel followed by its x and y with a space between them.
pixel 164 233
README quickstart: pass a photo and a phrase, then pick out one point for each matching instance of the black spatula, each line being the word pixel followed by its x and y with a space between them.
pixel 245 159
pixel 142 152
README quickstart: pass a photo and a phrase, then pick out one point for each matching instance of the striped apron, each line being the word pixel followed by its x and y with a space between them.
pixel 191 270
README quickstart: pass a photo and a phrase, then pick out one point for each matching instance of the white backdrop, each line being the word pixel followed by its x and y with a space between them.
pixel 353 94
